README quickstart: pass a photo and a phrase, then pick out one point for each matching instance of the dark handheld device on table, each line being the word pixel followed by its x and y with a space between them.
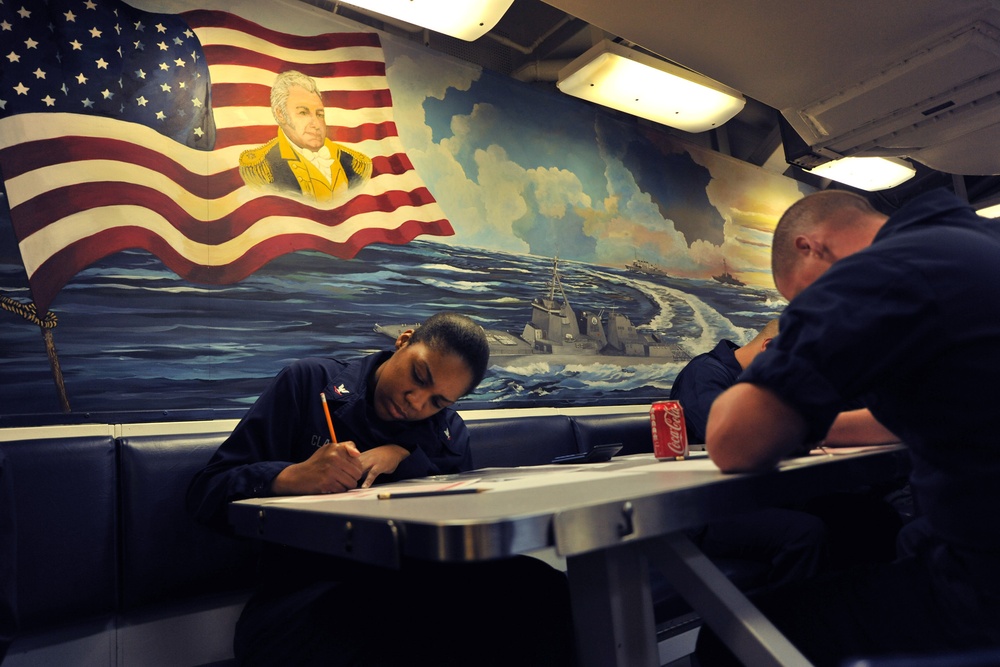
pixel 597 454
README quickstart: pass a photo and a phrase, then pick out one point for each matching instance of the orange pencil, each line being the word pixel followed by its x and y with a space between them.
pixel 329 421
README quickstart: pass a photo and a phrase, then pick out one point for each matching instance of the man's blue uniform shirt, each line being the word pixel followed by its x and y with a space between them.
pixel 911 324
pixel 701 381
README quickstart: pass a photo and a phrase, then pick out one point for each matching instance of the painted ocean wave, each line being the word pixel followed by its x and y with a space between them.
pixel 132 334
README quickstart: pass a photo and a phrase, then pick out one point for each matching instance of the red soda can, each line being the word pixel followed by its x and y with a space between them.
pixel 670 439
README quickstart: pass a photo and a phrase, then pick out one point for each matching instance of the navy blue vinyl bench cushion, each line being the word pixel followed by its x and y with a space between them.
pixel 632 430
pixel 102 530
pixel 64 494
pixel 165 553
pixel 521 441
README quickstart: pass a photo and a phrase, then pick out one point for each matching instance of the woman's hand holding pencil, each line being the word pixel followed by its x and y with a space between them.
pixel 337 466
pixel 333 468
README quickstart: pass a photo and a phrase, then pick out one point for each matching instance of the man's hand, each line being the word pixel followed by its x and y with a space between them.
pixel 333 468
pixel 381 460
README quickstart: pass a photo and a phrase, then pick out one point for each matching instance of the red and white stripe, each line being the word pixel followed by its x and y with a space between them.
pixel 81 188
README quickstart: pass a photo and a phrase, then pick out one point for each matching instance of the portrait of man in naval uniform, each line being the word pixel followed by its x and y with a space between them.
pixel 301 159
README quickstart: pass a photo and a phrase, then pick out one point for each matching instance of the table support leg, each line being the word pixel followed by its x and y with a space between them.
pixel 747 632
pixel 612 608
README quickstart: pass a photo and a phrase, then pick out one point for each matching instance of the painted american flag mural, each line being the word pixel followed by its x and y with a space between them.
pixel 123 129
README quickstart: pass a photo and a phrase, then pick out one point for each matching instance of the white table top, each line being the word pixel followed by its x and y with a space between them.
pixel 574 508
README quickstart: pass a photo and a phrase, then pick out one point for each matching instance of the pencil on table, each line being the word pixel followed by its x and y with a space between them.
pixel 329 421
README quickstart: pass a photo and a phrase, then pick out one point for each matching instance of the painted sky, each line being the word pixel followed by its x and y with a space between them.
pixel 521 169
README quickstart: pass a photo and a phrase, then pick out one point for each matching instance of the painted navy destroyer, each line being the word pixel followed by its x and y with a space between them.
pixel 646 268
pixel 557 333
pixel 726 278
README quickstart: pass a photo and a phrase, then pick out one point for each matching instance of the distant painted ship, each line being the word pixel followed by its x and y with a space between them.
pixel 726 278
pixel 645 268
pixel 557 333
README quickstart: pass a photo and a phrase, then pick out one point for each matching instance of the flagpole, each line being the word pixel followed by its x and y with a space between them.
pixel 45 324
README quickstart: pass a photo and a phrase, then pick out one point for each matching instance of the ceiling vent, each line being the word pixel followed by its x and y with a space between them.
pixel 945 93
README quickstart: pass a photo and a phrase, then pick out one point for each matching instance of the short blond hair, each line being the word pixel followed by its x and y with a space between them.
pixel 805 215
pixel 770 329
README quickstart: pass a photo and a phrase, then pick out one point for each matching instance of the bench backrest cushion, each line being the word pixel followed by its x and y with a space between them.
pixel 632 430
pixel 521 441
pixel 64 495
pixel 165 553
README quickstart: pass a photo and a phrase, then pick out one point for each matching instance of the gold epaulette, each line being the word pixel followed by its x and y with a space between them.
pixel 361 164
pixel 254 169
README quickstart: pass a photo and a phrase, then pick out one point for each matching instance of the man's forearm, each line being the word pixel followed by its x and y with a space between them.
pixel 750 428
pixel 858 427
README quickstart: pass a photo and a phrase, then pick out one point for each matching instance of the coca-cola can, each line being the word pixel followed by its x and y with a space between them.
pixel 670 439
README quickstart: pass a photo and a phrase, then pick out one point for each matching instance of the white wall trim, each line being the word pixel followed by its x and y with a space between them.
pixel 227 425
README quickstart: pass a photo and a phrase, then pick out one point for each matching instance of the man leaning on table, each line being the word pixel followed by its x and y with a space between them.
pixel 902 311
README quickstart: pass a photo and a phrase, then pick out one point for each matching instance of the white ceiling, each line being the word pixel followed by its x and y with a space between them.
pixel 868 68
pixel 865 71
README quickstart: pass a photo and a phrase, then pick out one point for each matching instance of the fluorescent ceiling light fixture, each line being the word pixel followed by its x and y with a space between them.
pixel 616 76
pixel 463 19
pixel 867 173
pixel 990 211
